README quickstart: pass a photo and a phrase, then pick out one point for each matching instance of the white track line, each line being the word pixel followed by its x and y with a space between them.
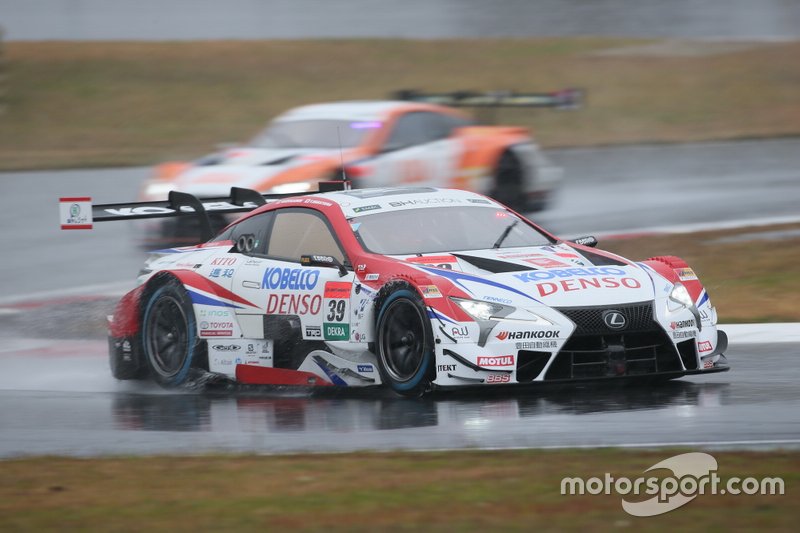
pixel 707 226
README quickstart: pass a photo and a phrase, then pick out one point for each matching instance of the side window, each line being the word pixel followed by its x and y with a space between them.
pixel 412 129
pixel 299 232
pixel 257 225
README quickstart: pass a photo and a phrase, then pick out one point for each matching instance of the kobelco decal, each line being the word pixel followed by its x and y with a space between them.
pixel 540 275
pixel 295 279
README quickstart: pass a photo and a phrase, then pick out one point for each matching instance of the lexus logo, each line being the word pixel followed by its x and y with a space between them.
pixel 614 319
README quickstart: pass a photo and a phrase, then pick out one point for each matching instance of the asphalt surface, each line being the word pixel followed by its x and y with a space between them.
pixel 416 19
pixel 57 396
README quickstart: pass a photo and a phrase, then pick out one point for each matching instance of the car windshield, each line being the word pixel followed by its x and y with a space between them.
pixel 444 229
pixel 314 134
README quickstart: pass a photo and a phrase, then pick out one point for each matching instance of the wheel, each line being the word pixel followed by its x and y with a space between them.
pixel 405 343
pixel 508 183
pixel 169 335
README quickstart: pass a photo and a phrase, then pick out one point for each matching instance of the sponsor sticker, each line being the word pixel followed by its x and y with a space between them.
pixel 223 261
pixel 690 334
pixel 365 208
pixel 430 291
pixel 569 273
pixel 520 335
pixel 538 345
pixel 372 277
pixel 366 368
pixel 704 346
pixel 686 274
pixel 545 262
pixel 295 279
pixel 75 213
pixel 313 332
pixel 498 378
pixel 216 328
pixel 445 368
pixel 337 289
pixel 499 360
pixel 681 324
pixel 459 332
pixel 336 332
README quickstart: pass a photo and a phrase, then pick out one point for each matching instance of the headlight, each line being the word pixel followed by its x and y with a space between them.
pixel 292 188
pixel 480 310
pixel 680 296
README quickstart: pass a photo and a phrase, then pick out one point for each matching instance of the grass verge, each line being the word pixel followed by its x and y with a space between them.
pixel 93 104
pixel 436 491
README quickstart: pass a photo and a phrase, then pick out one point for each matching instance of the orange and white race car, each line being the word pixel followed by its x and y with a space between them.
pixel 406 141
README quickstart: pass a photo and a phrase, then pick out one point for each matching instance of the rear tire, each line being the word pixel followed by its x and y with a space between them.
pixel 169 335
pixel 405 343
pixel 508 183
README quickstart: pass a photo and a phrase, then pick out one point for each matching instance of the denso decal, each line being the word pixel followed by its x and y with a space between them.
pixel 500 360
pixel 293 304
pixel 520 335
pixel 549 287
pixel 295 279
pixel 568 273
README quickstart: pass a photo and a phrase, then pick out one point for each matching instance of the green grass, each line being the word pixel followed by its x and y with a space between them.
pixel 438 491
pixel 90 104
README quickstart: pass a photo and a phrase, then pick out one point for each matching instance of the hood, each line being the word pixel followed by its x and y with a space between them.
pixel 556 276
pixel 245 167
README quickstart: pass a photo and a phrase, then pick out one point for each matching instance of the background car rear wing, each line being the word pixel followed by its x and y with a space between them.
pixel 563 99
pixel 80 213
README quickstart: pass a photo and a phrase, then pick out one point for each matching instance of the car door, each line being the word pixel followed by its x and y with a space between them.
pixel 419 150
pixel 302 302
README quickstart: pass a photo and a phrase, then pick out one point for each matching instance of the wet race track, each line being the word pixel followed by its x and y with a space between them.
pixel 57 396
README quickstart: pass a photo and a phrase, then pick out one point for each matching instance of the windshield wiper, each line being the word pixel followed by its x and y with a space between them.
pixel 506 231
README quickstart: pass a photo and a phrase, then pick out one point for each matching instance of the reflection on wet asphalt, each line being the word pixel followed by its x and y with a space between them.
pixel 753 405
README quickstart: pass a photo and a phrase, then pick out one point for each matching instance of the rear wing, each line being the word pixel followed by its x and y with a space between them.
pixel 81 213
pixel 564 99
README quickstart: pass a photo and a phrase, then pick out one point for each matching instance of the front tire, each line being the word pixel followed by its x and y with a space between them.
pixel 405 343
pixel 169 335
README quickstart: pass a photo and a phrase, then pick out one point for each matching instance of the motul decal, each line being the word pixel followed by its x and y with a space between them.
pixel 500 360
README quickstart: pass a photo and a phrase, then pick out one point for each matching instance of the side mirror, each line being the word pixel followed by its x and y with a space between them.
pixel 589 241
pixel 323 261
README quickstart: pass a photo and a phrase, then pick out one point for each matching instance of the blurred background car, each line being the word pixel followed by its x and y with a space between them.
pixel 373 143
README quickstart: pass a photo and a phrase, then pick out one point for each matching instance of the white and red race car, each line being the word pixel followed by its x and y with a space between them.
pixel 413 288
